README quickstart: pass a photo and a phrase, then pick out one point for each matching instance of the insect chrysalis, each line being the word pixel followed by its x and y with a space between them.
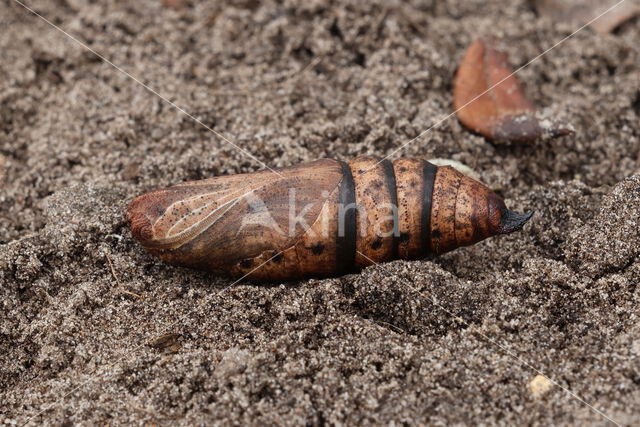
pixel 318 219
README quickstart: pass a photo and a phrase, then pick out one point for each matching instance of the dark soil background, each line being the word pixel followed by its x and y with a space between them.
pixel 454 340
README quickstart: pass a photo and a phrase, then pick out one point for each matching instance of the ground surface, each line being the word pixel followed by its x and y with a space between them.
pixel 453 340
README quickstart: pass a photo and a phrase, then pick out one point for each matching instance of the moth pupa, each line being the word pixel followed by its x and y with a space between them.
pixel 319 219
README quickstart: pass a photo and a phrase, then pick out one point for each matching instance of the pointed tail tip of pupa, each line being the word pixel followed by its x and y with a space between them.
pixel 512 221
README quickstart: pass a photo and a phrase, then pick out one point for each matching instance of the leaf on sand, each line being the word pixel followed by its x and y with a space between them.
pixel 579 12
pixel 489 100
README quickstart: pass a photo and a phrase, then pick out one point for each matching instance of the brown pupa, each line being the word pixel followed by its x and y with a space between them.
pixel 318 219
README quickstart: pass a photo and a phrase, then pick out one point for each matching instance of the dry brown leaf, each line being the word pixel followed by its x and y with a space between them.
pixel 489 100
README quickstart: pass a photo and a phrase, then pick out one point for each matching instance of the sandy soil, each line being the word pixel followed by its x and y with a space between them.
pixel 454 340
